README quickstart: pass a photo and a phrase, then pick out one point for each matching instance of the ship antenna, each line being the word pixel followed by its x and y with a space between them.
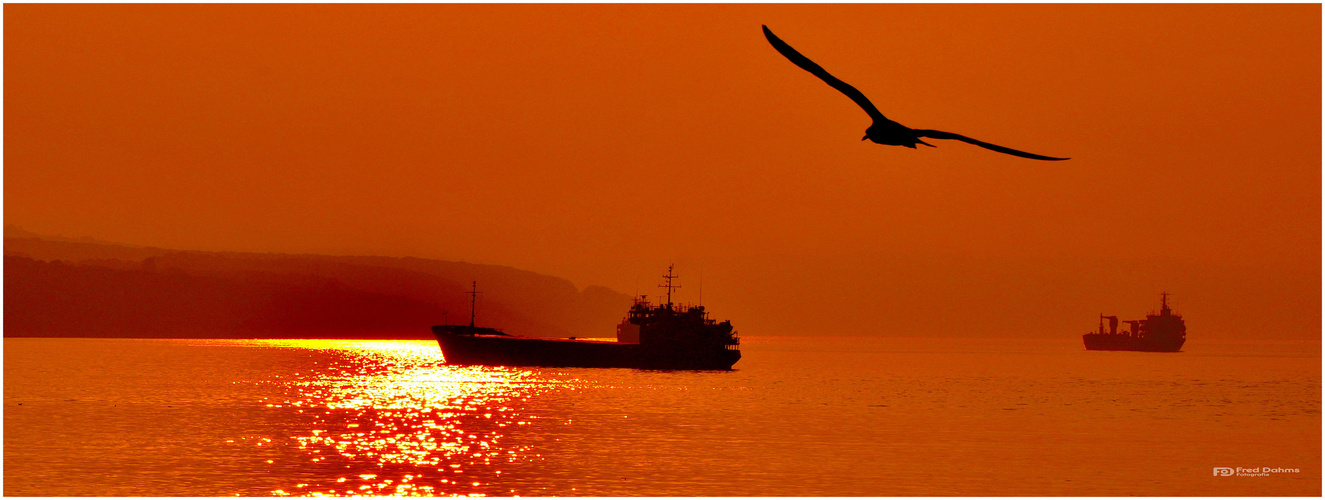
pixel 669 286
pixel 701 285
pixel 1164 303
pixel 473 301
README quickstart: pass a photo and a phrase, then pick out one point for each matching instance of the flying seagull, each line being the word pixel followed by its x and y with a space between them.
pixel 883 130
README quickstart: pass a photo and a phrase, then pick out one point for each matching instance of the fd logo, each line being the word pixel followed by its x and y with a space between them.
pixel 1223 471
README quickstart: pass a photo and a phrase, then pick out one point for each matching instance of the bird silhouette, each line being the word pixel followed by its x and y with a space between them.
pixel 883 130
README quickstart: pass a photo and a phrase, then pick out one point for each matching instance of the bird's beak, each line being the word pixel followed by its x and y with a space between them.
pixel 866 137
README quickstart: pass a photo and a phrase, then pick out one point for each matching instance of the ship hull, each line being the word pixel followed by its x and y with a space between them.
pixel 1108 342
pixel 501 350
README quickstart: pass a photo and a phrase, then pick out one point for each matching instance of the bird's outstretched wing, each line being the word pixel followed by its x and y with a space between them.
pixel 806 64
pixel 949 135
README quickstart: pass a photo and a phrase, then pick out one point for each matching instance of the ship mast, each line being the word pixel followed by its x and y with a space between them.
pixel 473 300
pixel 669 286
pixel 1164 303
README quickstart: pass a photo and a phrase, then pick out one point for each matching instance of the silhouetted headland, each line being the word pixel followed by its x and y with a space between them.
pixel 883 130
pixel 81 288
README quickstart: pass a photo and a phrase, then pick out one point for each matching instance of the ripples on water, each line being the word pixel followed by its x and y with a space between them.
pixel 392 408
pixel 797 417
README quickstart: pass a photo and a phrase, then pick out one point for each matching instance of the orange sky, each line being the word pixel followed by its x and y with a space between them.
pixel 601 142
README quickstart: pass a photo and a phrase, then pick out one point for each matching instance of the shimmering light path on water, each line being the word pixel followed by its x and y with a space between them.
pixel 798 417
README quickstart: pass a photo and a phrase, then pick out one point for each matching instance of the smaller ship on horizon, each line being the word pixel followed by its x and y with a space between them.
pixel 1163 332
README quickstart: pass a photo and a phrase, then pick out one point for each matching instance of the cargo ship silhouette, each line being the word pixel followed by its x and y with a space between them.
pixel 1163 332
pixel 662 337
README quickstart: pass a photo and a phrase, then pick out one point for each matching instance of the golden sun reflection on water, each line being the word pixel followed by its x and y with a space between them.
pixel 389 418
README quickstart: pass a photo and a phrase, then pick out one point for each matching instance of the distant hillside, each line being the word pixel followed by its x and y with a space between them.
pixel 81 288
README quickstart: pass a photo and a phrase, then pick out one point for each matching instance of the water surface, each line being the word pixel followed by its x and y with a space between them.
pixel 843 416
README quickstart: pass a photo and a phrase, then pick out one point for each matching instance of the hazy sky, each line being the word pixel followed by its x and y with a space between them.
pixel 601 142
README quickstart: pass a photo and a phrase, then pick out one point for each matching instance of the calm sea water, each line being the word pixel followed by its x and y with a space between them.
pixel 835 417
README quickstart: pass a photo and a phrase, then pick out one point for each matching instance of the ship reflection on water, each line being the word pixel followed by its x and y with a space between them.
pixel 389 418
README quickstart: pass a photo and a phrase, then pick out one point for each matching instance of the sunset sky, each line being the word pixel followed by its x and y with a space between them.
pixel 602 142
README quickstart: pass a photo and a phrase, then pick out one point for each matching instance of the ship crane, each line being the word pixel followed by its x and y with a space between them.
pixel 1113 324
pixel 1136 327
